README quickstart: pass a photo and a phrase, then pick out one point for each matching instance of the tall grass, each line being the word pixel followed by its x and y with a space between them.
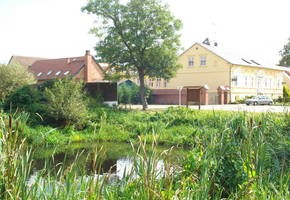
pixel 231 156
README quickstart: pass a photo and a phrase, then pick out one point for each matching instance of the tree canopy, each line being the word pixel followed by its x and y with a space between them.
pixel 285 53
pixel 138 38
pixel 13 77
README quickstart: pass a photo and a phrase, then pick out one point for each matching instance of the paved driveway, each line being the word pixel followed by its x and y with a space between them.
pixel 228 107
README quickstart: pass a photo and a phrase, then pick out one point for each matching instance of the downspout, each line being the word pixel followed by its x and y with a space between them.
pixel 230 83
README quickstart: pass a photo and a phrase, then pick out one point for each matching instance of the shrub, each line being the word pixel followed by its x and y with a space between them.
pixel 128 93
pixel 27 98
pixel 13 77
pixel 286 94
pixel 66 102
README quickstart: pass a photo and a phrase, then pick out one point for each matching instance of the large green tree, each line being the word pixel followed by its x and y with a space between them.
pixel 285 53
pixel 137 37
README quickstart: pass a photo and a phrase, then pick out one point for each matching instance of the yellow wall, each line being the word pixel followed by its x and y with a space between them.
pixel 213 74
pixel 254 80
pixel 286 80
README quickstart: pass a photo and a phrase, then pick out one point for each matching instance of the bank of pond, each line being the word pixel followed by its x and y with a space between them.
pixel 177 153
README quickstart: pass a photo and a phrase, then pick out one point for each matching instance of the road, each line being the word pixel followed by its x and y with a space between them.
pixel 228 107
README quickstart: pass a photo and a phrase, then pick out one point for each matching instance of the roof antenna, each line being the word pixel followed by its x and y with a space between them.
pixel 206 41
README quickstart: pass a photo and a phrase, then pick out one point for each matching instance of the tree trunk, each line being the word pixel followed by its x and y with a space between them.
pixel 142 92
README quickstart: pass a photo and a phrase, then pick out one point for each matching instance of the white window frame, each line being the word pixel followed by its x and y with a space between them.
pixel 190 62
pixel 202 60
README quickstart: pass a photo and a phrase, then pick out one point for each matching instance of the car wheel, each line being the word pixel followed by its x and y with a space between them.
pixel 255 103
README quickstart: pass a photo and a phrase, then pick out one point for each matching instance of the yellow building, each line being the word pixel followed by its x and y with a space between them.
pixel 210 76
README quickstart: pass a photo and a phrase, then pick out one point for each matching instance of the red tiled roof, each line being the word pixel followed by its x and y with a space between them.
pixel 57 68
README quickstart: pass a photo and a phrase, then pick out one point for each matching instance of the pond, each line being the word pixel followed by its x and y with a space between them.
pixel 91 159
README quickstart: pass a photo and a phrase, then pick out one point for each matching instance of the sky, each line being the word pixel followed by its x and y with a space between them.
pixel 256 29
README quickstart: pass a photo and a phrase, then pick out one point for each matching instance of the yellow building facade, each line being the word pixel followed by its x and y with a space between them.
pixel 222 75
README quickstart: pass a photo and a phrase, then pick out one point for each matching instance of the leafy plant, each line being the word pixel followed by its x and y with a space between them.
pixel 66 102
pixel 13 77
pixel 286 94
pixel 128 93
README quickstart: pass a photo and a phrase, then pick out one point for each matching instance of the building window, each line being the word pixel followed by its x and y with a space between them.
pixel 165 82
pixel 272 84
pixel 49 72
pixel 39 74
pixel 235 80
pixel 158 82
pixel 190 62
pixel 202 60
pixel 252 82
pixel 240 81
pixel 151 83
pixel 279 83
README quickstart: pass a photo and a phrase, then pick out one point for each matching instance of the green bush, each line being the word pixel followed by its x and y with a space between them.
pixel 13 77
pixel 27 98
pixel 128 93
pixel 286 94
pixel 66 103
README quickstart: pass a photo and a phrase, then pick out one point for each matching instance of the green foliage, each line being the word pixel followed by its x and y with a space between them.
pixel 129 93
pixel 286 94
pixel 13 77
pixel 132 43
pixel 231 155
pixel 66 104
pixel 27 98
pixel 285 53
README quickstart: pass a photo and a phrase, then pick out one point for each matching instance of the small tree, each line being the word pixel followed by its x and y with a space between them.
pixel 66 102
pixel 285 53
pixel 128 93
pixel 13 77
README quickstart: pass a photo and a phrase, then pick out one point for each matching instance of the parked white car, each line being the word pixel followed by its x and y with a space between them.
pixel 259 100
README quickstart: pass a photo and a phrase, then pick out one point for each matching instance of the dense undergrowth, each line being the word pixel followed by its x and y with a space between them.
pixel 230 155
pixel 174 126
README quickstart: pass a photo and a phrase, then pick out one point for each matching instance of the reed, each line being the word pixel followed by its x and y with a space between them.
pixel 230 156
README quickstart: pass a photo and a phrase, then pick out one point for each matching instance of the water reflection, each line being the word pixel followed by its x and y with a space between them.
pixel 113 160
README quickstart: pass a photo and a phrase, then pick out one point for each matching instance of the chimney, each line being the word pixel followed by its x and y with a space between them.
pixel 67 60
pixel 88 60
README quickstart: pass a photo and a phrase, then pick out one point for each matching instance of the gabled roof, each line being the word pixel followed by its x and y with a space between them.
pixel 24 61
pixel 57 68
pixel 104 66
pixel 234 58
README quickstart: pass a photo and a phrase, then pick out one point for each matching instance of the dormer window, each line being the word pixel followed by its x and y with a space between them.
pixel 39 74
pixel 49 72
pixel 58 73
pixel 66 73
